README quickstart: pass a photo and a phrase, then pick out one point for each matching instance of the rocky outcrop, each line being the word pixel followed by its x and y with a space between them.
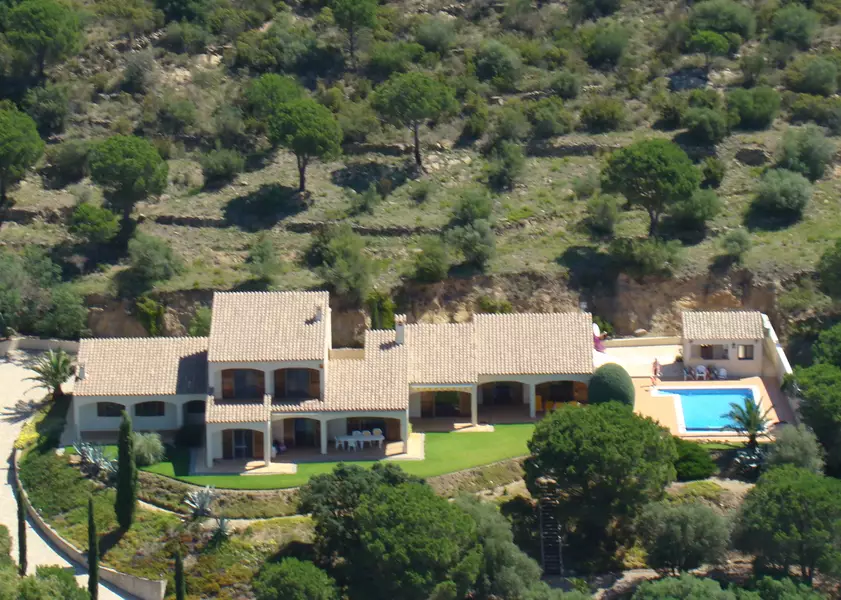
pixel 753 156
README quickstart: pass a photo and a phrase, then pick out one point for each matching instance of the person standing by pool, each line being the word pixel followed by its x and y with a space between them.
pixel 656 372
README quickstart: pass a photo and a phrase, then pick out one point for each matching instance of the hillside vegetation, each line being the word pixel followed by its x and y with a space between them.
pixel 256 144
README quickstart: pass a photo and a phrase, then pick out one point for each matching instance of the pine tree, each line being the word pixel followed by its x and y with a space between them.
pixel 93 554
pixel 21 532
pixel 180 583
pixel 126 475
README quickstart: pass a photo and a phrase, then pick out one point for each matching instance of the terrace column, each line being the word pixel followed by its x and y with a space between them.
pixel 323 437
pixel 269 387
pixel 404 431
pixel 530 390
pixel 474 406
pixel 77 430
pixel 267 442
pixel 208 447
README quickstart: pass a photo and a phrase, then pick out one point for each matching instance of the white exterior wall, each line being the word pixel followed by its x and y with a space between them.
pixel 85 417
pixel 415 405
pixel 214 372
pixel 734 366
pixel 527 380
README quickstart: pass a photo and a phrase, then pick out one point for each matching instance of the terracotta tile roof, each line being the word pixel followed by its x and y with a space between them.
pixel 142 366
pixel 441 353
pixel 236 411
pixel 723 325
pixel 268 326
pixel 534 344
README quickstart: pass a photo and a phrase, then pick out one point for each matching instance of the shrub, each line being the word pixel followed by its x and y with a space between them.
pixel 706 125
pixel 185 37
pixel 723 16
pixel 827 348
pixel 755 108
pixel 93 224
pixel 566 85
pixel 262 261
pixel 671 108
pixel 693 461
pixel 499 64
pixel 511 124
pixel 473 204
pixel 432 261
pixel 806 151
pixel 603 114
pixel 190 436
pixel 812 75
pixel 200 323
pixel 294 579
pixel 148 449
pixel 829 270
pixel 823 111
pixel 586 185
pixel 709 43
pixel 712 172
pixel 151 260
pixel 358 121
pixel 783 194
pixel 65 315
pixel 176 115
pixel 593 9
pixel 735 244
pixel 477 116
pixel 795 445
pixel 680 537
pixel 549 118
pixel 436 34
pixel 604 44
pixel 387 58
pixel 364 202
pixel 693 212
pixel 642 257
pixel 139 72
pixel 611 383
pixel 48 107
pixel 603 213
pixel 506 166
pixel 221 166
pixel 795 24
pixel 476 242
pixel 66 163
pixel 705 98
pixel 338 254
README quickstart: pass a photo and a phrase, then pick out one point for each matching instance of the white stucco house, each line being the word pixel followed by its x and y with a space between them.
pixel 729 339
pixel 268 373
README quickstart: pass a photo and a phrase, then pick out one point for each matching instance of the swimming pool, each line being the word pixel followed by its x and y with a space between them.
pixel 704 409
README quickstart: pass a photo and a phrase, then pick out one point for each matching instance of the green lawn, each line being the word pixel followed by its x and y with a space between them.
pixel 445 453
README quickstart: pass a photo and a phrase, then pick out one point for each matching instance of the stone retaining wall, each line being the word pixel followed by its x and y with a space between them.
pixel 139 587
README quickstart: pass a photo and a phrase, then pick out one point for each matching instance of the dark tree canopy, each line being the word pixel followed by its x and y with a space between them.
pixel 792 519
pixel 293 579
pixel 409 99
pixel 611 383
pixel 353 15
pixel 45 31
pixel 267 93
pixel 652 174
pixel 20 148
pixel 607 462
pixel 827 348
pixel 820 408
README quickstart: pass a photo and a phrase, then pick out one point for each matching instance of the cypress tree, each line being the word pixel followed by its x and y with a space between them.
pixel 126 475
pixel 93 553
pixel 21 532
pixel 180 583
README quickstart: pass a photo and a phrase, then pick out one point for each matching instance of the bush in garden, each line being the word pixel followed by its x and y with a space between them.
pixel 499 64
pixel 148 449
pixel 549 118
pixel 603 213
pixel 432 261
pixel 706 125
pixel 735 244
pixel 643 257
pixel 782 194
pixel 693 461
pixel 611 383
pixel 795 445
pixel 692 213
pixel 93 224
pixel 806 151
pixel 810 74
pixel 796 24
pixel 566 85
pixel 755 108
pixel 294 579
pixel 604 44
pixel 712 172
pixel 221 166
pixel 603 114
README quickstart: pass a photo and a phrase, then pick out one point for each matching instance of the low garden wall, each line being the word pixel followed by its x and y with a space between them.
pixel 642 341
pixel 139 587
pixel 29 343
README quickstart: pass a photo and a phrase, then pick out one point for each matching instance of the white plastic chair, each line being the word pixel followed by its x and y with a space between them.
pixel 358 442
pixel 378 431
pixel 701 372
pixel 338 442
pixel 366 437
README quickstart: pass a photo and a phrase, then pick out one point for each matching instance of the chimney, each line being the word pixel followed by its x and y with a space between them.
pixel 318 313
pixel 80 373
pixel 400 328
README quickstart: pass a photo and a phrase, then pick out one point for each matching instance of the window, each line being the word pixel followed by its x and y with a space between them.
pixel 195 407
pixel 745 352
pixel 297 383
pixel 109 409
pixel 248 384
pixel 150 409
pixel 707 352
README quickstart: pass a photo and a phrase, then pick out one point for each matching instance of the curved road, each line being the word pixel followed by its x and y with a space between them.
pixel 16 398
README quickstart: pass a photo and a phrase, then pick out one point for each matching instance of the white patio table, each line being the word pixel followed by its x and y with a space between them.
pixel 356 441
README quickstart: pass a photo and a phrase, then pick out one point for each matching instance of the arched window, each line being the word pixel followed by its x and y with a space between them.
pixel 109 409
pixel 150 409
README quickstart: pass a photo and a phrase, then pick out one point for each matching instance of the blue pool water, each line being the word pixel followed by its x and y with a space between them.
pixel 704 409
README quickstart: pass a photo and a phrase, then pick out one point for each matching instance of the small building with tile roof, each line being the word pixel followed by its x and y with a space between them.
pixel 267 374
pixel 724 339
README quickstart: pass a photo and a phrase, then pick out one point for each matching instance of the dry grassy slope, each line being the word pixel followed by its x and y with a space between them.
pixel 541 230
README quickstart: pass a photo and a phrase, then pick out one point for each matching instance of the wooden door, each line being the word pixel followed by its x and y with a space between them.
pixel 258 445
pixel 280 383
pixel 315 383
pixel 228 444
pixel 227 384
pixel 427 405
pixel 392 430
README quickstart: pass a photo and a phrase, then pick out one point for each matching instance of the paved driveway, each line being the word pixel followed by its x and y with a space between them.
pixel 16 396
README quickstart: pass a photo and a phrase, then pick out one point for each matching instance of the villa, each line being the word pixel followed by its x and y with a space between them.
pixel 268 376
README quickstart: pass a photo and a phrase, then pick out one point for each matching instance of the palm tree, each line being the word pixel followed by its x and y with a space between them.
pixel 748 420
pixel 51 370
